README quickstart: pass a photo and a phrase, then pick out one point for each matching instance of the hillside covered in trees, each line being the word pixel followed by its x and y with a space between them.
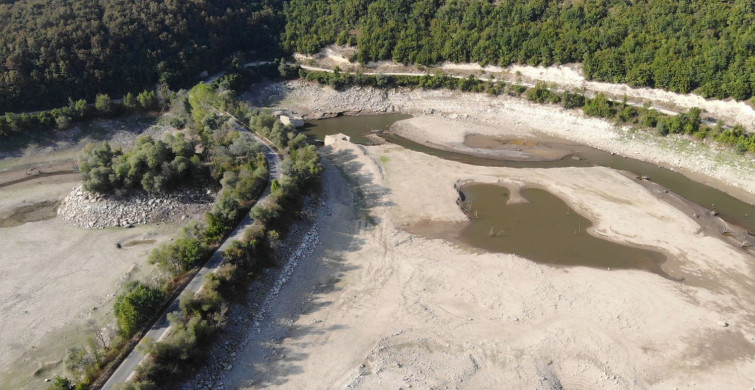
pixel 705 46
pixel 53 50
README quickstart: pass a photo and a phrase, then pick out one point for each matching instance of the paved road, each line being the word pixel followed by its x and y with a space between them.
pixel 160 329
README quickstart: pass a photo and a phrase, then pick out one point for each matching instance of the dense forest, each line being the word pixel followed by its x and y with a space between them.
pixel 55 50
pixel 52 51
pixel 705 46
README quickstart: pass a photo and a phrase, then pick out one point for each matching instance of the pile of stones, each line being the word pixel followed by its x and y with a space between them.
pixel 96 211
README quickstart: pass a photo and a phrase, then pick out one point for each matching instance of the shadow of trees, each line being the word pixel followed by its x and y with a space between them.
pixel 268 360
pixel 369 195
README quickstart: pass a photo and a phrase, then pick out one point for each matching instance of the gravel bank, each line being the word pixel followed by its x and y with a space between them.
pixel 247 317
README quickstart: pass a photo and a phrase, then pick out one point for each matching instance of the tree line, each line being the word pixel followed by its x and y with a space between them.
pixel 701 46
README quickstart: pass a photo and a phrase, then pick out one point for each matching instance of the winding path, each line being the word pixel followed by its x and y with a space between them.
pixel 161 328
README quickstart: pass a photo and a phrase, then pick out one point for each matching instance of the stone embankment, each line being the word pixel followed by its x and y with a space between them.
pixel 303 239
pixel 94 211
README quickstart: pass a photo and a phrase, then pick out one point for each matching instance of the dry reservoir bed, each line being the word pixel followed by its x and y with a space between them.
pixel 408 311
pixel 58 282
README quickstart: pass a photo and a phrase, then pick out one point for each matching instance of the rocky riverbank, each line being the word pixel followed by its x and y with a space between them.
pixel 245 319
pixel 86 210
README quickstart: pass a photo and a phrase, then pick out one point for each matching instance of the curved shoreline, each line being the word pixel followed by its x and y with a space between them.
pixel 515 117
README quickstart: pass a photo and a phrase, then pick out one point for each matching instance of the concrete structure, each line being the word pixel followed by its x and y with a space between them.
pixel 331 139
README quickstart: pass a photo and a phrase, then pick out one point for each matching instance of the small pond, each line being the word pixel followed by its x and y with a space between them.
pixel 545 230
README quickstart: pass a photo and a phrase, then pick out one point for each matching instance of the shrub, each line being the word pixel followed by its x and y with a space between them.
pixel 573 99
pixel 178 256
pixel 541 94
pixel 62 122
pixel 103 104
pixel 599 106
pixel 129 101
pixel 135 306
pixel 265 212
pixel 60 383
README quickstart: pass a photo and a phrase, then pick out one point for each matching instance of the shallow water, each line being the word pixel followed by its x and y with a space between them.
pixel 31 213
pixel 729 208
pixel 138 242
pixel 38 176
pixel 545 230
pixel 356 127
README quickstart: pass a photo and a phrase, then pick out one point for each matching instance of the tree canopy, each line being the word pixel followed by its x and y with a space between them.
pixel 53 50
pixel 706 46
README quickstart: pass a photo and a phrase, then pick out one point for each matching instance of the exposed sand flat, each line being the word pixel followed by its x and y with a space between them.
pixel 58 282
pixel 406 311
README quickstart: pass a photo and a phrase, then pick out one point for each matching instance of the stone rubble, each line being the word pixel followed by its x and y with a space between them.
pixel 87 210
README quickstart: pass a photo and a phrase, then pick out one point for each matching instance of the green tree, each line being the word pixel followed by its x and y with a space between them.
pixel 137 304
pixel 147 100
pixel 104 105
pixel 130 101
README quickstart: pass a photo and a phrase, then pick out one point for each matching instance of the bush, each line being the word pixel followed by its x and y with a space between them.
pixel 60 383
pixel 573 100
pixel 265 212
pixel 104 105
pixel 136 306
pixel 178 256
pixel 599 106
pixel 541 94
pixel 62 122
pixel 130 102
pixel 138 385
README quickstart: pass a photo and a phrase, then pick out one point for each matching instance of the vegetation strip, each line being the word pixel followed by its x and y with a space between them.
pixel 234 161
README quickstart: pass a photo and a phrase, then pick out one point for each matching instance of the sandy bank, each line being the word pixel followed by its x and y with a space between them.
pixel 405 311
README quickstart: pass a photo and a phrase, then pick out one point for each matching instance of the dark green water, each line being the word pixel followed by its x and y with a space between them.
pixel 731 209
pixel 545 230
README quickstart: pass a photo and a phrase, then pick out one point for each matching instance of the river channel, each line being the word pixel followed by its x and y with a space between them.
pixel 565 251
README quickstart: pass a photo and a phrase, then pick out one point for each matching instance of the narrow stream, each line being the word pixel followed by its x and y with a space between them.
pixel 356 127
